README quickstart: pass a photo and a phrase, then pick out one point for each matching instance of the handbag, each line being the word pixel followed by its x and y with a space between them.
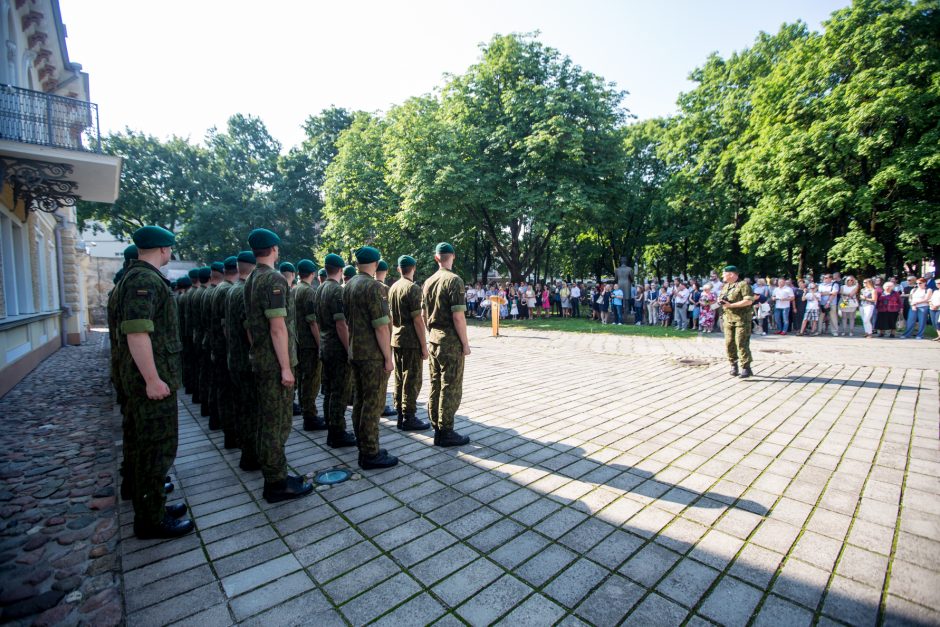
pixel 714 306
pixel 600 300
pixel 667 308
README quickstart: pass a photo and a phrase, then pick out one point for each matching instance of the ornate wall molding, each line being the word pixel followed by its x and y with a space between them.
pixel 41 185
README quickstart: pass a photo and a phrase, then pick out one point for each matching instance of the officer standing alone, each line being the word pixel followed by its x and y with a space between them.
pixel 737 301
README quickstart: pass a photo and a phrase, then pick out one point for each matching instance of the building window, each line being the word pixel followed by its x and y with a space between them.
pixel 17 288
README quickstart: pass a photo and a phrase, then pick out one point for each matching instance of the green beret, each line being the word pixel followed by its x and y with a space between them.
pixel 217 266
pixel 444 248
pixel 173 285
pixel 153 237
pixel 731 269
pixel 322 272
pixel 118 275
pixel 406 261
pixel 287 267
pixel 349 271
pixel 205 273
pixel 367 254
pixel 333 261
pixel 194 273
pixel 246 256
pixel 184 281
pixel 263 238
pixel 383 266
pixel 306 267
pixel 130 252
pixel 230 263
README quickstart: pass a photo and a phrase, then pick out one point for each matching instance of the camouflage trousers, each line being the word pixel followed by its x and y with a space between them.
pixel 446 365
pixel 245 414
pixel 274 414
pixel 408 376
pixel 369 383
pixel 223 396
pixel 153 427
pixel 336 382
pixel 738 341
pixel 308 380
pixel 193 367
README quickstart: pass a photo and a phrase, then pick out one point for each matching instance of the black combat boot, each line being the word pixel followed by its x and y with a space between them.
pixel 449 437
pixel 231 441
pixel 340 438
pixel 401 418
pixel 176 510
pixel 215 423
pixel 380 460
pixel 314 423
pixel 169 527
pixel 248 462
pixel 204 409
pixel 389 411
pixel 734 370
pixel 298 410
pixel 411 423
pixel 746 372
pixel 292 487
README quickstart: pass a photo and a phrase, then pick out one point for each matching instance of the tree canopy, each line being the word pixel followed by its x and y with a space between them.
pixel 805 151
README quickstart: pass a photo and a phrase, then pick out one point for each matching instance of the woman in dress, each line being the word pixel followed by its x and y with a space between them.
pixel 888 306
pixel 665 308
pixel 565 294
pixel 529 299
pixel 546 302
pixel 706 315
pixel 867 299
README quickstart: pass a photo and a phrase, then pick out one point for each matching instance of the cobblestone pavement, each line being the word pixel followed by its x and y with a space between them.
pixel 58 522
pixel 611 478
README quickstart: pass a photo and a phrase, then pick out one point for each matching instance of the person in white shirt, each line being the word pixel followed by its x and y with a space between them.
pixel 575 300
pixel 920 305
pixel 868 297
pixel 783 301
pixel 681 298
pixel 829 302
pixel 811 298
pixel 848 305
pixel 934 308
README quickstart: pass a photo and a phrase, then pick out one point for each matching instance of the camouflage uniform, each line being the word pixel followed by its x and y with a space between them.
pixel 308 359
pixel 203 356
pixel 210 397
pixel 366 309
pixel 145 305
pixel 267 296
pixel 192 330
pixel 738 323
pixel 404 303
pixel 244 393
pixel 182 308
pixel 221 382
pixel 330 310
pixel 444 294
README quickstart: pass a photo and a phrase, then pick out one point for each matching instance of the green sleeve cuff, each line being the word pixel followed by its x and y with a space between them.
pixel 338 316
pixel 456 308
pixel 279 312
pixel 415 313
pixel 137 326
pixel 380 322
pixel 310 317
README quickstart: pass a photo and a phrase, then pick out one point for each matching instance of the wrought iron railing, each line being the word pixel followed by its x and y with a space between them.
pixel 34 117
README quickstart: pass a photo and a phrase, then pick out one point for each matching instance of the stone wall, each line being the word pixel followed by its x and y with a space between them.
pixel 98 282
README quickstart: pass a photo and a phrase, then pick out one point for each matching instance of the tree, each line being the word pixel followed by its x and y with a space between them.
pixel 162 183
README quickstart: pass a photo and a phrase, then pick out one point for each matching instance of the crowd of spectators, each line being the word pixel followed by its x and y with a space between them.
pixel 835 305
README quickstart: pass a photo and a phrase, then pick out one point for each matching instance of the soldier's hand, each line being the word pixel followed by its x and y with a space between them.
pixel 388 366
pixel 158 390
pixel 424 352
pixel 466 350
pixel 287 378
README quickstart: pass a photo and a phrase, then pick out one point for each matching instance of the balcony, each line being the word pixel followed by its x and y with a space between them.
pixel 50 151
pixel 34 117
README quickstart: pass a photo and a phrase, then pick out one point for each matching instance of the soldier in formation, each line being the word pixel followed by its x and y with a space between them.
pixel 239 339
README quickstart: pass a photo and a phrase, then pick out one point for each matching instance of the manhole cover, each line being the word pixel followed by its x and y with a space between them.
pixel 332 476
pixel 693 363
